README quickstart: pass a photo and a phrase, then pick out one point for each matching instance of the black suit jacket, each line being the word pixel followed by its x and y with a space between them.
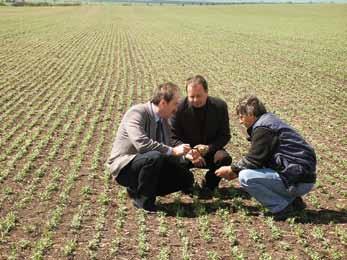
pixel 216 133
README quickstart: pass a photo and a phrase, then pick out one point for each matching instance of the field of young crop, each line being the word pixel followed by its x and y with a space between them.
pixel 67 75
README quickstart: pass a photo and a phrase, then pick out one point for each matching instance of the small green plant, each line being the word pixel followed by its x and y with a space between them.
pixel 104 199
pixel 164 253
pixel 70 247
pixel 275 231
pixel 204 228
pixel 185 249
pixel 284 245
pixel 336 254
pixel 115 243
pixel 86 190
pixel 211 255
pixel 265 256
pixel 163 228
pixel 24 243
pixel 318 233
pixel 7 224
pixel 236 254
pixel 255 235
pixel 230 233
pixel 143 246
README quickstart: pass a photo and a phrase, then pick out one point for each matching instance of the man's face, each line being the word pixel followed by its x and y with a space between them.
pixel 247 120
pixel 197 96
pixel 167 109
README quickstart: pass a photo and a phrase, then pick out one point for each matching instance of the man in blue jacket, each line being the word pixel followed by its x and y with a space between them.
pixel 280 166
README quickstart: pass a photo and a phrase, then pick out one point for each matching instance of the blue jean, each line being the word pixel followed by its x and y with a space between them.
pixel 266 186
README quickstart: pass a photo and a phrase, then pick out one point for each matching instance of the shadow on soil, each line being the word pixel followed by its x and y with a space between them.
pixel 231 199
pixel 322 216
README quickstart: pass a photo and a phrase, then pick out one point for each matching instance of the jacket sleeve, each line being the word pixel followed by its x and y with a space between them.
pixel 135 127
pixel 223 135
pixel 263 144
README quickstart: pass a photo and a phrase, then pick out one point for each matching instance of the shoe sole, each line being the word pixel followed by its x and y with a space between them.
pixel 145 210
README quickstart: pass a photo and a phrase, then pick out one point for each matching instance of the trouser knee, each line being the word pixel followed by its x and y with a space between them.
pixel 245 178
pixel 222 158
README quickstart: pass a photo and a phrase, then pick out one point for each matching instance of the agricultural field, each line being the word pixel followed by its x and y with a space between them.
pixel 68 74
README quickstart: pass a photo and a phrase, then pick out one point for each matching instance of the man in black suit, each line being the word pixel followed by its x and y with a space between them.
pixel 203 122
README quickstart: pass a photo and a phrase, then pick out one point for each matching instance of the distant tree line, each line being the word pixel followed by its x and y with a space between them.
pixel 42 3
pixel 130 2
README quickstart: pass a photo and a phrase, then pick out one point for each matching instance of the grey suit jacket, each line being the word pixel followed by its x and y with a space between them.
pixel 136 134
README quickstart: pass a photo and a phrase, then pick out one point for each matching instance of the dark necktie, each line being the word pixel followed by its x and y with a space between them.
pixel 160 132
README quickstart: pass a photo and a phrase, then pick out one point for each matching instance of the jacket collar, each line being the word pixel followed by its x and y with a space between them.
pixel 156 115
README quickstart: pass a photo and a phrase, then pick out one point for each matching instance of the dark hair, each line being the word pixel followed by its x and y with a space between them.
pixel 197 80
pixel 250 105
pixel 165 91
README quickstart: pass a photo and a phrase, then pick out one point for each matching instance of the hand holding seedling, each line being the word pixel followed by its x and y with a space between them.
pixel 196 158
pixel 192 155
pixel 181 149
pixel 202 149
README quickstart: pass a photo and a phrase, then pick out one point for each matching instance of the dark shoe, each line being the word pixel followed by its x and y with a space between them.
pixel 299 204
pixel 291 210
pixel 193 190
pixel 145 203
pixel 284 214
pixel 131 193
pixel 188 191
pixel 205 193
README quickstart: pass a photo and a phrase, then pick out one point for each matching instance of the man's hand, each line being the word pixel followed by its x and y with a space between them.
pixel 192 155
pixel 226 173
pixel 199 162
pixel 202 149
pixel 196 159
pixel 181 149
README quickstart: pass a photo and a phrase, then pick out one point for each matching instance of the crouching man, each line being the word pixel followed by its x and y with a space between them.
pixel 142 159
pixel 280 166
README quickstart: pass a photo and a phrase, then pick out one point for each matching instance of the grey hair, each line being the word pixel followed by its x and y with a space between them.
pixel 250 105
pixel 165 91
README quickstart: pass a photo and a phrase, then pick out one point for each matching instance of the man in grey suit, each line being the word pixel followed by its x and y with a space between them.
pixel 142 159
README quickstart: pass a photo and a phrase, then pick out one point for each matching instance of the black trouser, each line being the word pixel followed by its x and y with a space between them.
pixel 212 180
pixel 154 174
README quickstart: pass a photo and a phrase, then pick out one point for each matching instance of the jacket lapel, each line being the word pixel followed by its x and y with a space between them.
pixel 167 133
pixel 208 121
pixel 152 124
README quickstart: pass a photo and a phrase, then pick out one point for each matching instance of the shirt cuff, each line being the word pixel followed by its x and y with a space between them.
pixel 169 151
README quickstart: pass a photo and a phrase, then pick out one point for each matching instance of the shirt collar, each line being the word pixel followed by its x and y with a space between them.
pixel 250 129
pixel 156 115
